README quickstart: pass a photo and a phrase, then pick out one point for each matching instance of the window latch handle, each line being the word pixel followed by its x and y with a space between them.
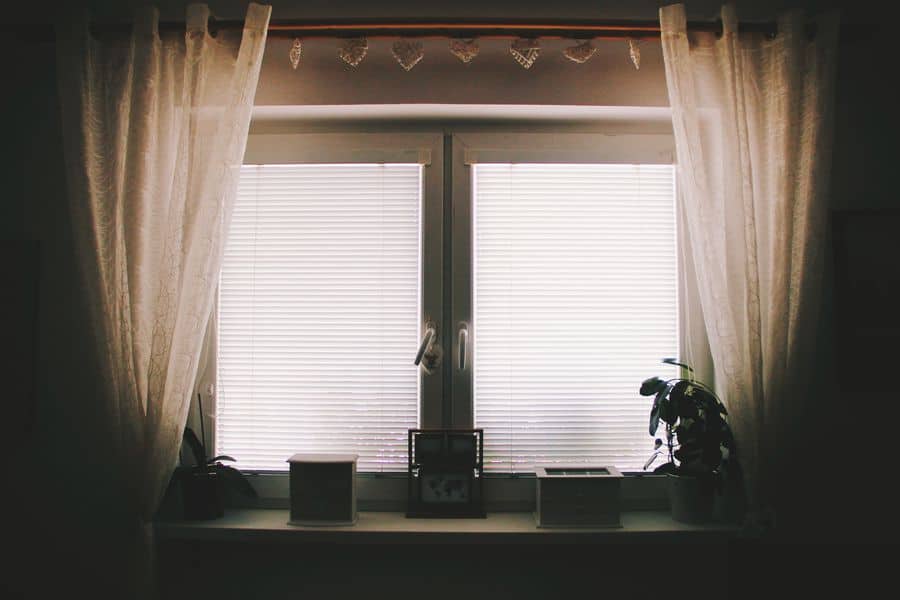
pixel 427 341
pixel 463 341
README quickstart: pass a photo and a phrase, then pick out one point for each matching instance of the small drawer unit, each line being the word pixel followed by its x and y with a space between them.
pixel 323 489
pixel 578 496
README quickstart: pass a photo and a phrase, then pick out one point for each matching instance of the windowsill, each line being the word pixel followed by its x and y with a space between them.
pixel 386 492
pixel 270 525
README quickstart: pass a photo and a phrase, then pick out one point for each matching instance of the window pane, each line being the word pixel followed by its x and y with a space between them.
pixel 575 304
pixel 319 315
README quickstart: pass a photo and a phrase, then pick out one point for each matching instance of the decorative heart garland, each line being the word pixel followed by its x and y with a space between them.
pixel 296 50
pixel 634 51
pixel 353 51
pixel 525 51
pixel 464 50
pixel 580 53
pixel 408 53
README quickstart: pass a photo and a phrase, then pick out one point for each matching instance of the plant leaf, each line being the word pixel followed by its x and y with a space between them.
pixel 658 410
pixel 220 457
pixel 654 418
pixel 672 361
pixel 652 386
pixel 682 405
pixel 665 468
pixel 650 460
pixel 197 449
pixel 666 411
pixel 236 479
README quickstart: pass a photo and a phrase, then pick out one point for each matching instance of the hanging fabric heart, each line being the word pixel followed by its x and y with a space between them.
pixel 634 51
pixel 352 51
pixel 296 49
pixel 580 53
pixel 525 51
pixel 464 50
pixel 408 53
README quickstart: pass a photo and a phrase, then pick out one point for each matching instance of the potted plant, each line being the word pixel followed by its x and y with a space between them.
pixel 204 480
pixel 698 442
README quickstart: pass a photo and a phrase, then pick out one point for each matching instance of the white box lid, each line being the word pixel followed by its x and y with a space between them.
pixel 323 458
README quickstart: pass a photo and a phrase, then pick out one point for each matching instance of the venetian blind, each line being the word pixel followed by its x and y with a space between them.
pixel 575 304
pixel 319 315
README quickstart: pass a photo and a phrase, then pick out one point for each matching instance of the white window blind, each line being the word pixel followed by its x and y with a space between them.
pixel 575 304
pixel 319 315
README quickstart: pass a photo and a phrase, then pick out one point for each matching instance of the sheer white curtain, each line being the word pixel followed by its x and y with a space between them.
pixel 155 127
pixel 752 121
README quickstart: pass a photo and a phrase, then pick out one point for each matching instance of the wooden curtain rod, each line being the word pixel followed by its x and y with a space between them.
pixel 632 29
pixel 448 29
pixel 424 29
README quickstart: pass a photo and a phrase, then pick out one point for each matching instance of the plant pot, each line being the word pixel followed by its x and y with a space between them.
pixel 200 494
pixel 691 498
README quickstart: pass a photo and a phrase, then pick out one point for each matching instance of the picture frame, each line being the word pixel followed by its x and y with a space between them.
pixel 445 475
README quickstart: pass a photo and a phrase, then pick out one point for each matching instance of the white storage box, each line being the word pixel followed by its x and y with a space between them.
pixel 323 489
pixel 578 496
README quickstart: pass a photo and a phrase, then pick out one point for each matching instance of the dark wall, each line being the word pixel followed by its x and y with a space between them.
pixel 61 505
pixel 848 437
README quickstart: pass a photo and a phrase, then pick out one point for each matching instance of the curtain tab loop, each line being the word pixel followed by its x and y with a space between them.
pixel 729 21
pixel 146 22
pixel 257 19
pixel 673 19
pixel 197 20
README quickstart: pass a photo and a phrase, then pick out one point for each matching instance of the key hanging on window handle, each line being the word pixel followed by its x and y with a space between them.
pixel 427 341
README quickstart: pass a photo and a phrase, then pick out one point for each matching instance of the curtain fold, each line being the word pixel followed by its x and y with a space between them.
pixel 154 129
pixel 752 118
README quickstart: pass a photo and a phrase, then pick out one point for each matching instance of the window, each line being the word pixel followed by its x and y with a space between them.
pixel 318 308
pixel 574 304
pixel 320 304
pixel 565 260
pixel 559 261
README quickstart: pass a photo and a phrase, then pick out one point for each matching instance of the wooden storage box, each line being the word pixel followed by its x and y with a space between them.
pixel 323 489
pixel 578 496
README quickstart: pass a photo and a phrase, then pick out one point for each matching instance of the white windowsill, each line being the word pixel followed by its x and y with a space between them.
pixel 270 525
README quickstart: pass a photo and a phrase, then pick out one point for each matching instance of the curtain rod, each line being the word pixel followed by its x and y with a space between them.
pixel 425 29
pixel 462 29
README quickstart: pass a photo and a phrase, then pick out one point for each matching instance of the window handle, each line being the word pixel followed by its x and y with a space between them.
pixel 463 340
pixel 427 340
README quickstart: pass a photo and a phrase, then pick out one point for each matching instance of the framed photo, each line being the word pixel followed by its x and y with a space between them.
pixel 445 473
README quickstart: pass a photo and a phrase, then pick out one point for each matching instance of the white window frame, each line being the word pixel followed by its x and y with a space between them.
pixel 448 157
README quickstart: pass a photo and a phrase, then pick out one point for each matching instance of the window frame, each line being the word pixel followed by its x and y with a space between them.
pixel 451 149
